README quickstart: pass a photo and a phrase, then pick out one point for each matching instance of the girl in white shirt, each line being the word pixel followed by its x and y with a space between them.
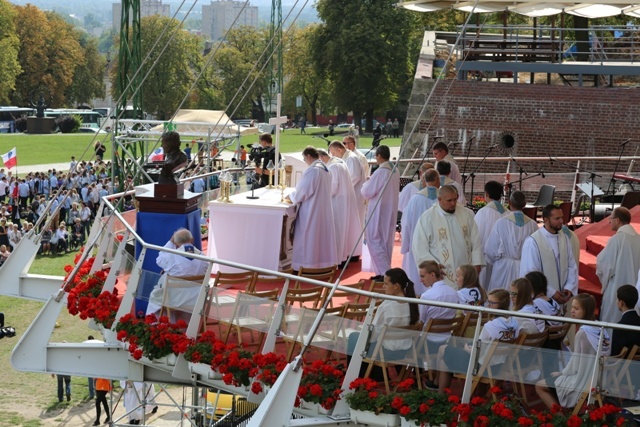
pixel 521 294
pixel 469 289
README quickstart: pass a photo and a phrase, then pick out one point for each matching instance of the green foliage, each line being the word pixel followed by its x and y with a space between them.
pixel 9 45
pixel 68 123
pixel 88 82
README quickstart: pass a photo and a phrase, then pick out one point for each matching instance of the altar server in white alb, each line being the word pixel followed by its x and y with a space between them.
pixel 504 245
pixel 448 235
pixel 618 263
pixel 419 204
pixel 413 187
pixel 486 219
pixel 444 169
pixel 357 174
pixel 549 250
pixel 314 239
pixel 343 200
pixel 381 191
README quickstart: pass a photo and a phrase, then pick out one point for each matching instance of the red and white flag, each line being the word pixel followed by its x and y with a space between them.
pixel 10 159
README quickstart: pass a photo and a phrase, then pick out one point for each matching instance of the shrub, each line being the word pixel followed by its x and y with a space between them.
pixel 68 124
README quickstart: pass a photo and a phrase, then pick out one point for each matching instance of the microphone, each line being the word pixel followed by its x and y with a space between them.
pixel 454 143
pixel 625 143
pixel 493 146
pixel 542 173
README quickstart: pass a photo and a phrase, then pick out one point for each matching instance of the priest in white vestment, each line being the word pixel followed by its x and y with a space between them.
pixel 486 219
pixel 504 245
pixel 441 152
pixel 448 235
pixel 343 200
pixel 618 263
pixel 314 239
pixel 358 178
pixel 413 187
pixel 381 191
pixel 419 204
pixel 444 169
pixel 350 143
pixel 549 250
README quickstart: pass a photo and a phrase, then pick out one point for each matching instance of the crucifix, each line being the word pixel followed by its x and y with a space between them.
pixel 277 121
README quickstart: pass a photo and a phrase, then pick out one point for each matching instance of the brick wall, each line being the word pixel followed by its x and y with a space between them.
pixel 544 120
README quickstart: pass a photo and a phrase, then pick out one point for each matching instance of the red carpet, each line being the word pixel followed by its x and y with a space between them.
pixel 593 238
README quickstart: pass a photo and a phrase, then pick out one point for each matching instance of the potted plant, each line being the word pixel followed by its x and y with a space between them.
pixel 201 351
pixel 369 405
pixel 320 386
pixel 152 337
pixel 423 407
pixel 236 366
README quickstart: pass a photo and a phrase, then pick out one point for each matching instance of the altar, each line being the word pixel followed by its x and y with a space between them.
pixel 254 232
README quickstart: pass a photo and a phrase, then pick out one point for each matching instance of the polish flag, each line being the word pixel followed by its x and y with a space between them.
pixel 10 159
pixel 157 155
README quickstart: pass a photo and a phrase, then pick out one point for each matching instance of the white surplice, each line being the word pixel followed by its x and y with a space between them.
pixel 557 276
pixel 314 241
pixel 134 395
pixel 407 193
pixel 343 200
pixel 617 264
pixel 448 239
pixel 381 191
pixel 445 180
pixel 486 219
pixel 504 247
pixel 419 204
pixel 363 162
pixel 358 178
pixel 455 171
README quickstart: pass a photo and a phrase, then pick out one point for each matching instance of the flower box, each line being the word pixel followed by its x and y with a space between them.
pixel 204 370
pixel 311 409
pixel 373 419
pixel 411 423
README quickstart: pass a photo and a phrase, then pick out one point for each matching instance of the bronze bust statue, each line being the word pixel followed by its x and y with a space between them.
pixel 40 106
pixel 174 158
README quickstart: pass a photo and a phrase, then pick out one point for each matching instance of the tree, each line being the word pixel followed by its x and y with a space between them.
pixel 49 54
pixel 88 79
pixel 302 77
pixel 364 47
pixel 170 73
pixel 234 60
pixel 9 46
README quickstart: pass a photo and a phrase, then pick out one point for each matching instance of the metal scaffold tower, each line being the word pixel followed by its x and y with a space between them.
pixel 129 85
pixel 275 61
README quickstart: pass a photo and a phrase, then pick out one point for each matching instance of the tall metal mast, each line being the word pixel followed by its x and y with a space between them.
pixel 275 63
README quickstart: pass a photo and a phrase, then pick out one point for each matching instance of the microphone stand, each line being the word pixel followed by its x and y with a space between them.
pixel 464 168
pixel 472 175
pixel 612 184
pixel 426 153
pixel 592 176
pixel 521 171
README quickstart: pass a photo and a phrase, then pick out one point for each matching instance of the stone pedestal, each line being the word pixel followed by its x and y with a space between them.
pixel 40 125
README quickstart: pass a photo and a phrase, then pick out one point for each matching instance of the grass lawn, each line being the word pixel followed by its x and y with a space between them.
pixel 58 148
pixel 26 388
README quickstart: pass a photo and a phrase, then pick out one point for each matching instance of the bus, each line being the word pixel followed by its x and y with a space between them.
pixel 90 118
pixel 9 115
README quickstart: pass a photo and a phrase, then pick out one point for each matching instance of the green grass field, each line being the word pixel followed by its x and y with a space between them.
pixel 58 148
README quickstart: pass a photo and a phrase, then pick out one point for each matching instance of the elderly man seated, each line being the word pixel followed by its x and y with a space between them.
pixel 179 298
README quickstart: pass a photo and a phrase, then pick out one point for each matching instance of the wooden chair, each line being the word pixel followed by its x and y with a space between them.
pixel 485 373
pixel 296 333
pixel 534 342
pixel 253 312
pixel 623 374
pixel 269 282
pixel 377 357
pixel 173 283
pixel 469 323
pixel 324 274
pixel 558 332
pixel 348 295
pixel 242 280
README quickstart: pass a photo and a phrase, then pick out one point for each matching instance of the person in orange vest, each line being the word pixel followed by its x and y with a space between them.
pixel 103 386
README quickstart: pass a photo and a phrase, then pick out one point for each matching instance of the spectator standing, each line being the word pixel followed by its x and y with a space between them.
pixel 64 386
pixel 395 126
pixel 102 387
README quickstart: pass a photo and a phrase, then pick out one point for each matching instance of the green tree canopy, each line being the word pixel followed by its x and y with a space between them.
pixel 88 80
pixel 364 47
pixel 9 47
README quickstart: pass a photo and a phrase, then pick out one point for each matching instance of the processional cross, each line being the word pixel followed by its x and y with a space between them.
pixel 277 121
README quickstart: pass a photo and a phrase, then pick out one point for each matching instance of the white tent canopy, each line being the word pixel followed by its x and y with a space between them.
pixel 206 122
pixel 530 8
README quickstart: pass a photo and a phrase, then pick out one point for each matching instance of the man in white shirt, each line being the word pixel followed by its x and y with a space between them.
pixel 441 152
pixel 549 251
pixel 350 143
pixel 618 263
pixel 444 169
